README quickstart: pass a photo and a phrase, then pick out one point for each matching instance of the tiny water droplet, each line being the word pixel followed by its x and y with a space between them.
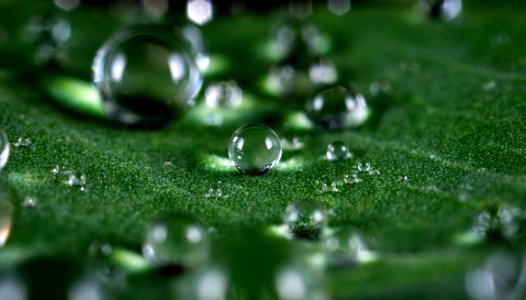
pixel 224 94
pixel 337 108
pixel 339 7
pixel 352 179
pixel 176 239
pixel 403 179
pixel 22 142
pixel 136 59
pixel 379 88
pixel 215 191
pixel 254 149
pixel 296 40
pixel 30 202
pixel 305 219
pixel 323 71
pixel 490 85
pixel 48 34
pixel 374 172
pixel 338 151
pixel 442 9
pixel 294 144
pixel 4 149
pixel 363 166
pixel 168 164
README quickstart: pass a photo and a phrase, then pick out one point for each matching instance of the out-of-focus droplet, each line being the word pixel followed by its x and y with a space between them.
pixel 4 149
pixel 200 11
pixel 22 142
pixel 67 5
pixel 323 71
pixel 499 223
pixel 339 7
pixel 442 9
pixel 176 239
pixel 195 37
pixel 305 219
pixel 338 151
pixel 156 8
pixel 254 149
pixel 146 76
pixel 347 247
pixel 337 108
pixel 12 288
pixel 300 9
pixel 30 202
pixel 224 94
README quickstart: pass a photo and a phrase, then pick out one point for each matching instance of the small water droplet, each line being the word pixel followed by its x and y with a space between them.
pixel 285 80
pixel 224 94
pixel 215 192
pixel 339 7
pixel 22 142
pixel 300 9
pixel 49 34
pixel 200 11
pixel 195 37
pixel 254 149
pixel 74 179
pixel 176 239
pixel 410 67
pixel 136 58
pixel 100 249
pixel 305 219
pixel 4 149
pixel 363 166
pixel 293 144
pixel 490 85
pixel 379 88
pixel 347 247
pixel 501 223
pixel 338 151
pixel 30 202
pixel 352 179
pixel 403 179
pixel 374 172
pixel 168 164
pixel 337 108
pixel 442 9
pixel 323 71
pixel 295 40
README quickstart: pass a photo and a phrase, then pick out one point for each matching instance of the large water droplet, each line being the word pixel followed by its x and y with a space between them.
pixel 4 149
pixel 337 151
pixel 442 9
pixel 224 94
pixel 176 239
pixel 337 108
pixel 30 202
pixel 146 76
pixel 305 219
pixel 501 277
pixel 296 283
pixel 255 149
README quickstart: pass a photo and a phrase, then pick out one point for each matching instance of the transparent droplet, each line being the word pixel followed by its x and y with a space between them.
pixel 364 166
pixel 75 179
pixel 284 79
pixel 338 151
pixel 337 108
pixel 501 223
pixel 323 71
pixel 4 149
pixel 146 76
pixel 67 5
pixel 379 88
pixel 200 11
pixel 442 9
pixel 215 191
pixel 305 219
pixel 293 144
pixel 199 48
pixel 347 247
pixel 168 164
pixel 339 7
pixel 295 40
pixel 352 179
pixel 56 170
pixel 300 9
pixel 22 142
pixel 30 202
pixel 47 29
pixel 254 149
pixel 176 239
pixel 499 278
pixel 490 85
pixel 403 179
pixel 224 94
pixel 100 249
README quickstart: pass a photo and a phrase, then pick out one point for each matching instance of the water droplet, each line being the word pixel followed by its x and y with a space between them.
pixel 49 34
pixel 379 88
pixel 374 172
pixel 296 40
pixel 199 49
pixel 22 142
pixel 352 179
pixel 30 202
pixel 442 9
pixel 67 5
pixel 490 85
pixel 74 179
pixel 176 239
pixel 305 219
pixel 300 9
pixel 168 164
pixel 146 76
pixel 292 284
pixel 337 108
pixel 100 249
pixel 403 179
pixel 363 166
pixel 499 278
pixel 284 80
pixel 337 151
pixel 323 71
pixel 4 149
pixel 224 94
pixel 200 11
pixel 215 192
pixel 347 247
pixel 499 223
pixel 293 144
pixel 254 149
pixel 6 217
pixel 339 7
